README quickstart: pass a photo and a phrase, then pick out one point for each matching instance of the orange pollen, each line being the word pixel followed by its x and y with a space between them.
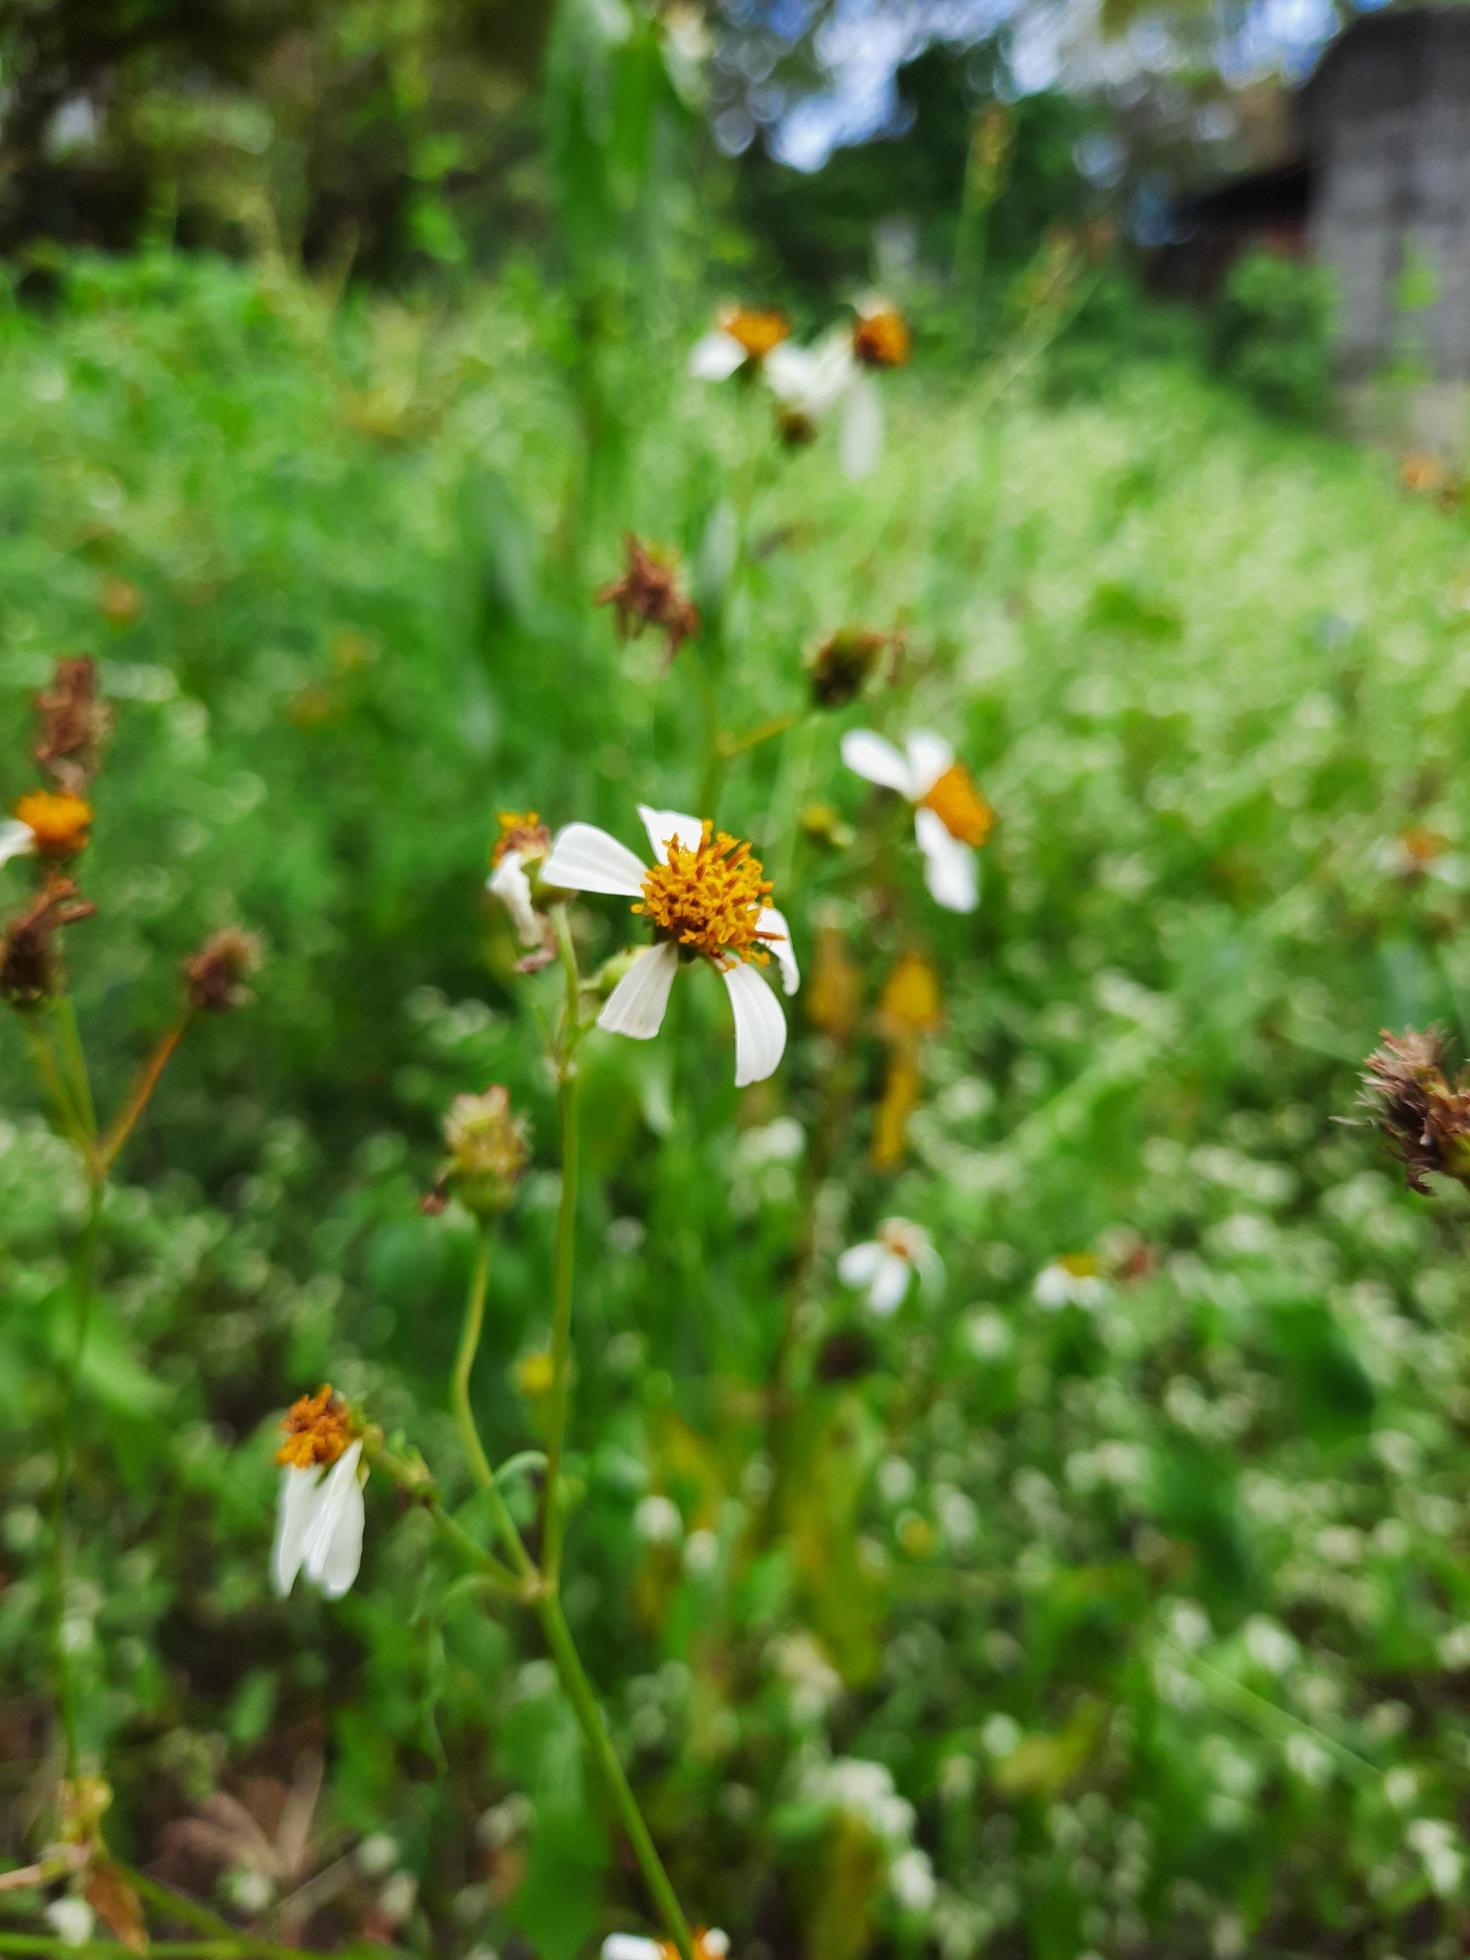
pixel 58 821
pixel 317 1428
pixel 757 328
pixel 898 1240
pixel 520 830
pixel 710 899
pixel 959 806
pixel 882 339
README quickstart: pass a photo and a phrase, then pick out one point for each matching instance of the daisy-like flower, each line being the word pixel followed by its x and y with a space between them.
pixel 837 374
pixel 742 338
pixel 951 818
pixel 711 1945
pixel 1073 1280
pixel 885 1265
pixel 319 1516
pixel 47 823
pixel 705 897
pixel 523 842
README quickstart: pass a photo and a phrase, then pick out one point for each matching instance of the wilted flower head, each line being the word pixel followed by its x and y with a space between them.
pixel 843 665
pixel 519 848
pixel 489 1149
pixel 215 976
pixel 741 339
pixel 319 1512
pixel 74 725
pixel 30 953
pixel 705 896
pixel 648 595
pixel 1423 1114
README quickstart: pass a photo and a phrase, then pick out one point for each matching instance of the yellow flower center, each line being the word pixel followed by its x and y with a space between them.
pixel 757 328
pixel 882 339
pixel 520 830
pixel 709 899
pixel 317 1428
pixel 959 806
pixel 59 822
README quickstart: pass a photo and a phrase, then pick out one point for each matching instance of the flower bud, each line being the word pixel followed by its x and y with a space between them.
pixel 214 979
pixel 74 725
pixel 1422 1114
pixel 489 1149
pixel 843 665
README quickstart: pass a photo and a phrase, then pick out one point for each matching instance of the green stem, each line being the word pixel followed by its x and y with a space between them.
pixel 594 1729
pixel 65 1016
pixel 474 1449
pixel 561 1324
pixel 175 1905
pixel 48 1071
pixel 84 1287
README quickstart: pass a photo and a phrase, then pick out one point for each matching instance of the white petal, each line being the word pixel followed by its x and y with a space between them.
pixel 629 1946
pixel 930 1267
pixel 890 1283
pixel 513 888
pixel 333 1549
pixel 782 950
pixel 811 380
pixel 857 1265
pixel 949 866
pixel 637 1004
pixel 716 1943
pixel 661 825
pixel 715 356
pixel 295 1508
pixel 860 442
pixel 929 757
pixel 586 859
pixel 790 373
pixel 760 1026
pixel 868 755
pixel 16 840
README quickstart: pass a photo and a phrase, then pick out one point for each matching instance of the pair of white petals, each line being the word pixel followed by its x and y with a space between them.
pixel 587 859
pixel 950 868
pixel 811 382
pixel 319 1526
pixel 883 1267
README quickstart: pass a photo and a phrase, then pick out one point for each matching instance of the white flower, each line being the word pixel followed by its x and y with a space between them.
pixel 657 1520
pixel 73 1920
pixel 886 1264
pixel 1071 1281
pixel 811 383
pixel 951 818
pixel 632 1946
pixel 319 1524
pixel 704 895
pixel 911 1880
pixel 745 336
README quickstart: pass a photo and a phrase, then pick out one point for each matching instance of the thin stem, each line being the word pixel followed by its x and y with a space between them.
pixel 734 745
pixel 48 1071
pixel 142 1095
pixel 84 1287
pixel 594 1729
pixel 561 1324
pixel 474 1449
pixel 65 1016
pixel 175 1905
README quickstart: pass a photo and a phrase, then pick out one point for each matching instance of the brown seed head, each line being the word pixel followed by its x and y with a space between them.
pixel 215 976
pixel 74 725
pixel 30 953
pixel 1423 1114
pixel 489 1149
pixel 648 595
pixel 318 1429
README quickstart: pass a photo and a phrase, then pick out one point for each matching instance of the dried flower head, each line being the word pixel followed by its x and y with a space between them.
pixel 648 595
pixel 30 955
pixel 318 1428
pixel 1423 1114
pixel 843 665
pixel 489 1149
pixel 215 976
pixel 74 725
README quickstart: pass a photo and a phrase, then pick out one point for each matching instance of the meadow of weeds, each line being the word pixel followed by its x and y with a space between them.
pixel 1107 1598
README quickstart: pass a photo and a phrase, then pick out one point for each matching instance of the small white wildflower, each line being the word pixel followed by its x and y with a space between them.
pixel 951 817
pixel 72 1919
pixel 885 1265
pixel 657 1520
pixel 911 1880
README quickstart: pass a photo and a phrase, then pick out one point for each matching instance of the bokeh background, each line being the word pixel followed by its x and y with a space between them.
pixel 341 343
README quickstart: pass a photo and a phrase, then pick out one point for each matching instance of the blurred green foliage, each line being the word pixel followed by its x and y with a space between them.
pixel 1146 1622
pixel 1272 329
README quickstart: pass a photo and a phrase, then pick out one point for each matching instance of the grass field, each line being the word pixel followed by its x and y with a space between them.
pixel 1149 1605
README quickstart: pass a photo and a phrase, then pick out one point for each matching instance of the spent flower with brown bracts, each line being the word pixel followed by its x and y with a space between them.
pixel 489 1151
pixel 74 725
pixel 844 663
pixel 320 1513
pixel 648 595
pixel 31 967
pixel 706 897
pixel 215 976
pixel 1418 1107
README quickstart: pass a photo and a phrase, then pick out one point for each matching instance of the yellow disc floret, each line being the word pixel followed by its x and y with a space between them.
pixel 58 821
pixel 520 830
pixel 959 806
pixel 710 899
pixel 881 339
pixel 757 328
pixel 318 1429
